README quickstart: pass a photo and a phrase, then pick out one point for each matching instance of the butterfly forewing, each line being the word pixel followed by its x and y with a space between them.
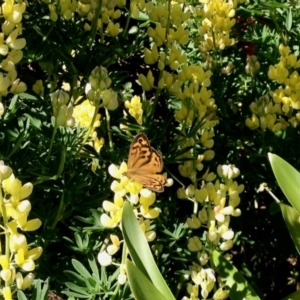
pixel 140 152
pixel 143 164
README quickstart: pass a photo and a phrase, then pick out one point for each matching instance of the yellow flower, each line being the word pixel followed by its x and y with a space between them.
pixel 122 276
pixel 115 246
pixel 151 56
pixel 13 186
pixel 13 13
pixel 104 259
pixel 25 259
pixel 38 88
pixel 24 283
pixel 193 222
pixel 135 108
pixel 194 244
pixel 83 114
pixel 7 293
pixel 13 42
pixel 4 84
pixel 115 212
pixel 113 29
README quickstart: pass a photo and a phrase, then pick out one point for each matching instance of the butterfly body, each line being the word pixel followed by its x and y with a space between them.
pixel 144 162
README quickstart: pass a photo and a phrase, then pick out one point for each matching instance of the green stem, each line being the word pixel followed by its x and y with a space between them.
pixel 272 195
pixel 125 31
pixel 59 211
pixel 108 128
pixel 52 140
pixel 95 24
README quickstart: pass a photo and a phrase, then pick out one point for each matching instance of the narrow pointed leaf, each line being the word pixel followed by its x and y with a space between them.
pixel 239 288
pixel 288 179
pixel 291 218
pixel 294 296
pixel 141 287
pixel 140 252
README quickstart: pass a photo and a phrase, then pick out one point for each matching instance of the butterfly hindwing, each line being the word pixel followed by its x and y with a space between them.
pixel 154 182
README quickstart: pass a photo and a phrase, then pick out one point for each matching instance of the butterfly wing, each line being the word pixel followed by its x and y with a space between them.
pixel 143 164
pixel 139 153
pixel 154 182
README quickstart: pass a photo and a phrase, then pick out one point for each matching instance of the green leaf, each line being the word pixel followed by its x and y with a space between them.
pixel 239 288
pixel 288 179
pixel 76 288
pixel 76 295
pixel 140 252
pixel 294 296
pixel 79 267
pixel 289 20
pixel 45 290
pixel 291 218
pixel 141 287
pixel 37 290
pixel 272 5
pixel 21 295
pixel 93 266
pixel 74 276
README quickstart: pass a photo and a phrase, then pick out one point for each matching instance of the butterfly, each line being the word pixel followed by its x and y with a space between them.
pixel 143 164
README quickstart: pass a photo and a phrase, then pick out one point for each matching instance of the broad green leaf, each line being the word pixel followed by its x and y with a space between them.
pixel 239 288
pixel 21 295
pixel 141 287
pixel 292 220
pixel 288 179
pixel 294 296
pixel 140 252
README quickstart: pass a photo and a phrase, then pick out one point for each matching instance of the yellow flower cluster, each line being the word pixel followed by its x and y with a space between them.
pixel 83 115
pixel 275 115
pixel 216 25
pixel 135 109
pixel 98 89
pixel 133 191
pixel 66 9
pixel 15 209
pixel 204 278
pixel 10 48
pixel 287 96
pixel 90 10
pixel 62 109
pixel 219 201
pixel 197 107
pixel 168 31
pixel 141 198
pixel 264 115
pixel 190 84
pixel 105 15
